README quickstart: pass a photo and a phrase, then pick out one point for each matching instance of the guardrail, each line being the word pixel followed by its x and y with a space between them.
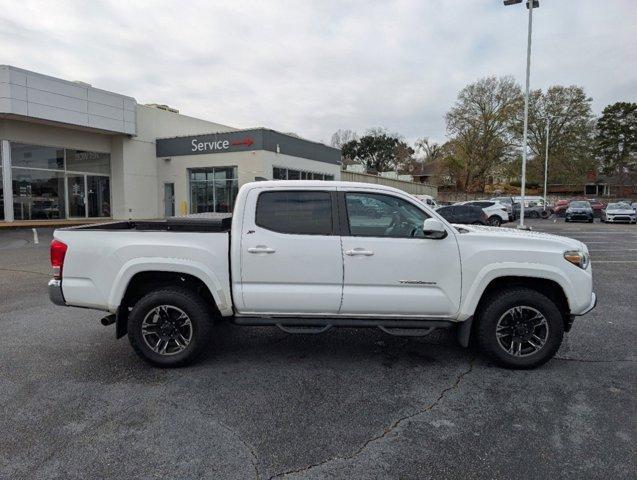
pixel 409 187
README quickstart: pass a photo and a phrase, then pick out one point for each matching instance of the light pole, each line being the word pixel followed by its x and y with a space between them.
pixel 546 159
pixel 530 5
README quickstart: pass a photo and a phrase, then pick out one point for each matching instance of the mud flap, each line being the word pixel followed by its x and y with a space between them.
pixel 464 332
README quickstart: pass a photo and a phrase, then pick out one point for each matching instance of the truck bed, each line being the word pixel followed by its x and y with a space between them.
pixel 102 259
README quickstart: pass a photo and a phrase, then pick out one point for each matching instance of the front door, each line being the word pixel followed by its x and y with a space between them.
pixel 389 267
pixel 291 260
pixel 169 199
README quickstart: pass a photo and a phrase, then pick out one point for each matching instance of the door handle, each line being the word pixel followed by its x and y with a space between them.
pixel 261 249
pixel 359 251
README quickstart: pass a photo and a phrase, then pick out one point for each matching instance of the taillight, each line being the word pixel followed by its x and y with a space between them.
pixel 58 252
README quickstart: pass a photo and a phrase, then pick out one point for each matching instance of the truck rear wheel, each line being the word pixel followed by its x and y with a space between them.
pixel 170 327
pixel 520 328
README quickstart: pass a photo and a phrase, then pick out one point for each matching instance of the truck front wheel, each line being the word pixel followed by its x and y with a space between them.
pixel 170 327
pixel 520 328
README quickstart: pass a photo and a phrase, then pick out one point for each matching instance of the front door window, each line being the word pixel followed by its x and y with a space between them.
pixel 377 215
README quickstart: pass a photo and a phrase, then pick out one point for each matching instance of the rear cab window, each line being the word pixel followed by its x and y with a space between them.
pixel 296 212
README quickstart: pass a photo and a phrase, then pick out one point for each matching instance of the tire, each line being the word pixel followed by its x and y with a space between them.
pixel 495 316
pixel 495 221
pixel 591 220
pixel 545 214
pixel 167 306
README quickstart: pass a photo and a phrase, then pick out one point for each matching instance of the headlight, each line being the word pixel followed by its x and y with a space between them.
pixel 577 258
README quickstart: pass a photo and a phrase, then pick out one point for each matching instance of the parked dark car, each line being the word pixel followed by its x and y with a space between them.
pixel 579 210
pixel 597 206
pixel 560 207
pixel 467 214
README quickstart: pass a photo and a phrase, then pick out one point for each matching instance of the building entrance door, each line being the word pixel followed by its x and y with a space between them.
pixel 169 199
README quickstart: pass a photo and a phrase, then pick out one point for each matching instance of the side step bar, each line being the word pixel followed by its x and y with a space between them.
pixel 399 327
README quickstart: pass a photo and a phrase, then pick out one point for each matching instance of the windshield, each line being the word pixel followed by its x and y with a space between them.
pixel 618 206
pixel 580 205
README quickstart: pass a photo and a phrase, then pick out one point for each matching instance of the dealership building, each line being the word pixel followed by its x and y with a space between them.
pixel 72 151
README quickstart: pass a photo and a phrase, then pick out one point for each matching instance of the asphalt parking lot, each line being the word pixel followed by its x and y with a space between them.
pixel 359 404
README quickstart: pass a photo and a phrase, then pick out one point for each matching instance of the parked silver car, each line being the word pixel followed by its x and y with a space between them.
pixel 619 212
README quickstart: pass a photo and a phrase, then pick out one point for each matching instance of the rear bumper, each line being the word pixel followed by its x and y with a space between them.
pixel 55 292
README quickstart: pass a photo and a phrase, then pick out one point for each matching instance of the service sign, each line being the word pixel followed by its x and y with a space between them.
pixel 210 143
pixel 246 141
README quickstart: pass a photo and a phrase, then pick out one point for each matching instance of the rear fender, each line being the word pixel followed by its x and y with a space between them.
pixel 196 269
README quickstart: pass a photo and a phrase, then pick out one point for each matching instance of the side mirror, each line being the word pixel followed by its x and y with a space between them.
pixel 433 229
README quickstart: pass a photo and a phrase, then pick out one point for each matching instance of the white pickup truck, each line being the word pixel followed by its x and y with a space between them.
pixel 307 256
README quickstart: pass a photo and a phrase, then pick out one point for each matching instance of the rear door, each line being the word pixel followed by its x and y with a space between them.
pixel 291 261
pixel 390 269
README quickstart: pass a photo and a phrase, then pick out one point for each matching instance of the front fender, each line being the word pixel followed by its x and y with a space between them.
pixel 512 269
pixel 146 264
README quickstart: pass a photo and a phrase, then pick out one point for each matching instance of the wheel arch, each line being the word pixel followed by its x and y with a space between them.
pixel 144 282
pixel 547 287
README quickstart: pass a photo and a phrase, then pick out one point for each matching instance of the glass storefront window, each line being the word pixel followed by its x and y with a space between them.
pixel 89 162
pixel 38 194
pixel 213 189
pixel 36 156
pixel 54 183
pixel 294 175
pixel 279 173
pixel 1 192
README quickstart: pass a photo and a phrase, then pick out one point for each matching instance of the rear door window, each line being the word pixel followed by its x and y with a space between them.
pixel 292 212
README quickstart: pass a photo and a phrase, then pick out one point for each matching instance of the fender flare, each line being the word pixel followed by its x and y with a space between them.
pixel 176 265
pixel 511 269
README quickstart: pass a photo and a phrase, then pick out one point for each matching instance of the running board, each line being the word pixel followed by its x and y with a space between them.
pixel 391 326
pixel 407 332
pixel 304 330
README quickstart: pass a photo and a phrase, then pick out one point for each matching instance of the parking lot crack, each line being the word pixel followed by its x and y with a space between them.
pixel 254 459
pixel 386 431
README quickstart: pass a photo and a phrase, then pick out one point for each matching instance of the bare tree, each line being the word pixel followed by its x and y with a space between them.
pixel 481 125
pixel 571 133
pixel 341 137
pixel 431 151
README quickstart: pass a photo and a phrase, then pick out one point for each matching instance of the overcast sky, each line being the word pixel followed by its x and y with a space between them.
pixel 312 67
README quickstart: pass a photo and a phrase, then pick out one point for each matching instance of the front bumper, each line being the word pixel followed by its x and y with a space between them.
pixel 592 305
pixel 580 216
pixel 620 219
pixel 571 318
pixel 55 292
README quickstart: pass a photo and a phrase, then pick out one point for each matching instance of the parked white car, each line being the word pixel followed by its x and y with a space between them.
pixel 307 256
pixel 619 212
pixel 428 200
pixel 497 213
